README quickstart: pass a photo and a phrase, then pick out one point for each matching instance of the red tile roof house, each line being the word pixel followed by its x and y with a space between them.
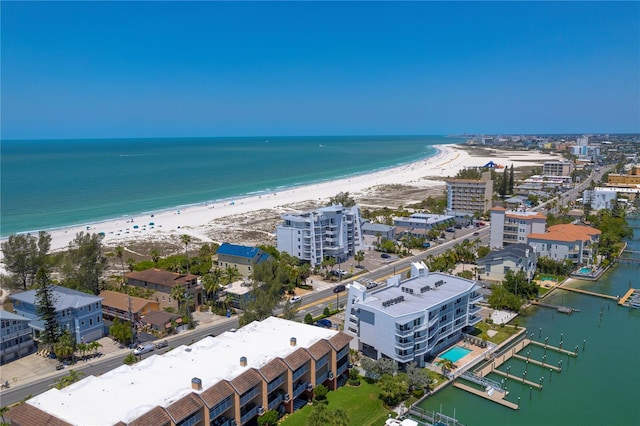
pixel 574 242
pixel 162 282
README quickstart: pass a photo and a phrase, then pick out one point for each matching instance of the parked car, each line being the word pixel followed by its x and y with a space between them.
pixel 385 255
pixel 450 230
pixel 324 323
pixel 341 272
pixel 60 367
pixel 426 244
pixel 162 344
pixel 371 284
pixel 143 349
pixel 295 299
pixel 339 288
pixel 475 234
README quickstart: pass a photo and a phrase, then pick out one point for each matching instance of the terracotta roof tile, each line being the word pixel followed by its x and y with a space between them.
pixel 184 407
pixel 567 233
pixel 246 381
pixel 340 340
pixel 319 349
pixel 28 415
pixel 216 393
pixel 273 369
pixel 155 416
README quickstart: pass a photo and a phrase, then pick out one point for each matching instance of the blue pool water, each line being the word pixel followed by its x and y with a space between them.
pixel 455 353
pixel 585 271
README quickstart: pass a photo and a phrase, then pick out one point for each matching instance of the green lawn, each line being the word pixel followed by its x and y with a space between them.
pixel 361 403
pixel 504 332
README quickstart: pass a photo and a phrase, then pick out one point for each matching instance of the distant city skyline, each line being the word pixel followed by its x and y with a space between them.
pixel 198 69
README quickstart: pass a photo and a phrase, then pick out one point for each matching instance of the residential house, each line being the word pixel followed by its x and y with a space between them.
pixel 334 231
pixel 163 282
pixel 160 322
pixel 514 257
pixel 378 230
pixel 242 258
pixel 79 313
pixel 512 227
pixel 412 320
pixel 125 307
pixel 16 338
pixel 419 224
pixel 577 243
pixel 226 380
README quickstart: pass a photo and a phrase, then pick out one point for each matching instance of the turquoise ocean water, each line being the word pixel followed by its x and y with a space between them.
pixel 600 387
pixel 47 184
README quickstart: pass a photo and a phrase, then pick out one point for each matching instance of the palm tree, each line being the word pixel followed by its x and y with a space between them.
pixel 3 411
pixel 231 275
pixel 340 417
pixel 186 240
pixel 119 252
pixel 69 379
pixel 155 256
pixel 211 283
pixel 178 293
pixel 359 257
pixel 446 365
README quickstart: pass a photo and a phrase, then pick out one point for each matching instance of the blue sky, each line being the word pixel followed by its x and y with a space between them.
pixel 168 69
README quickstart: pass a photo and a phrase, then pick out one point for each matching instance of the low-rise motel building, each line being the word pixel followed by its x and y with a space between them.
pixel 225 380
pixel 411 321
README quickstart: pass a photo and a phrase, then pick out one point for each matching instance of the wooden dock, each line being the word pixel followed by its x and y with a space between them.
pixel 590 293
pixel 627 295
pixel 553 348
pixel 495 396
pixel 536 362
pixel 562 309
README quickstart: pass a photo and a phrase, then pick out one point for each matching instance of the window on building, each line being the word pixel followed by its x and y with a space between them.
pixel 98 319
pixel 90 321
pixel 81 322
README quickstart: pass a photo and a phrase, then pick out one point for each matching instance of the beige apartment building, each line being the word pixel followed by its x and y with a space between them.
pixel 469 196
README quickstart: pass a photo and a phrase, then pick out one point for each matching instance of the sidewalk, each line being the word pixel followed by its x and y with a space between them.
pixel 34 367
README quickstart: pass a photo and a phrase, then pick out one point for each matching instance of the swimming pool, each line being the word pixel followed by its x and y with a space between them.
pixel 585 271
pixel 455 353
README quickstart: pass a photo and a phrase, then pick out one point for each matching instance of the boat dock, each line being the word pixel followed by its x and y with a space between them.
pixel 491 396
pixel 562 309
pixel 590 293
pixel 553 348
pixel 627 295
pixel 536 362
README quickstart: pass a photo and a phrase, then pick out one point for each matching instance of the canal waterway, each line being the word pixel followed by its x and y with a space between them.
pixel 599 387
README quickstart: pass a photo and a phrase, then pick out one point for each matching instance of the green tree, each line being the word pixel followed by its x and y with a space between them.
pixel 45 302
pixel 130 359
pixel 308 319
pixel 511 180
pixel 24 255
pixel 340 417
pixel 186 240
pixel 483 251
pixel 320 392
pixel 319 416
pixel 270 418
pixel 418 378
pixel 121 331
pixel 212 283
pixel 504 183
pixel 393 388
pixel 155 257
pixel 343 199
pixel 359 257
pixel 290 310
pixel 85 263
pixel 446 365
pixel 69 379
pixel 65 347
pixel 119 253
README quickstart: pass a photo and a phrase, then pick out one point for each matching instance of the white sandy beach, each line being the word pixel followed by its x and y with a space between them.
pixel 193 220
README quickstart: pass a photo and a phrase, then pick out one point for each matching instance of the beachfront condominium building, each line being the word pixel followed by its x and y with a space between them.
pixel 15 337
pixel 469 196
pixel 79 313
pixel 242 258
pixel 513 227
pixel 557 168
pixel 577 243
pixel 333 231
pixel 514 257
pixel 631 178
pixel 162 284
pixel 226 380
pixel 414 319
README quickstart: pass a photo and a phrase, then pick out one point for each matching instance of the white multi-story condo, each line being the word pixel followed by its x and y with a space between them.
pixel 226 380
pixel 600 198
pixel 469 196
pixel 412 320
pixel 557 168
pixel 513 227
pixel 334 231
pixel 576 243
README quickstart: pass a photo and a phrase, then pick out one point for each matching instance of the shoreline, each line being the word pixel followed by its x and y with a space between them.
pixel 428 172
